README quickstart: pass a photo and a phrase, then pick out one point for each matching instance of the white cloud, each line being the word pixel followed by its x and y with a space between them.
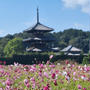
pixel 84 5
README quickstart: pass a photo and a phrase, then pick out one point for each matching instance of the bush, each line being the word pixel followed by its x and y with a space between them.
pixel 85 60
pixel 6 61
pixel 35 58
pixel 14 46
pixel 32 58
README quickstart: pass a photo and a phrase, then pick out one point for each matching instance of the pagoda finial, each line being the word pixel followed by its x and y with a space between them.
pixel 37 15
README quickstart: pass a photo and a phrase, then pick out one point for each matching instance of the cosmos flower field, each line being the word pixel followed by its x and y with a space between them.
pixel 45 77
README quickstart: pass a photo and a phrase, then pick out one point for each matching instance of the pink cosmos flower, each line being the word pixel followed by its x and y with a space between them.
pixel 7 87
pixel 32 79
pixel 2 71
pixel 84 89
pixel 67 78
pixel 57 71
pixel 53 75
pixel 33 86
pixel 51 56
pixel 52 66
pixel 46 88
pixel 74 73
pixel 34 65
pixel 26 81
pixel 41 66
pixel 27 85
pixel 46 74
pixel 40 74
pixel 16 64
pixel 0 62
pixel 87 69
pixel 4 62
pixel 8 82
pixel 1 89
pixel 48 62
pixel 83 77
pixel 1 66
pixel 67 61
pixel 79 87
pixel 55 83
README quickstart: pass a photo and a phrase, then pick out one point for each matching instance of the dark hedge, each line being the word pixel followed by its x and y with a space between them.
pixel 38 58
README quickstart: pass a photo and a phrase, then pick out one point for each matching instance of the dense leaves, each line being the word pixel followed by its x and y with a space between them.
pixel 14 46
pixel 74 37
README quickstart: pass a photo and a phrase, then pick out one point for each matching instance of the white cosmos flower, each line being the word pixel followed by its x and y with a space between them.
pixel 64 73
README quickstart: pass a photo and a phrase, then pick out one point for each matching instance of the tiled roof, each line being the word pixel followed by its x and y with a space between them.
pixel 71 54
pixel 70 48
pixel 33 49
pixel 39 27
pixel 38 39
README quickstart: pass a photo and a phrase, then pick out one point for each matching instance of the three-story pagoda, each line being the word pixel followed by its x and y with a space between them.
pixel 39 42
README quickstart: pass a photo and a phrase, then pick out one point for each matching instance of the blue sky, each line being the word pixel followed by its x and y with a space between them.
pixel 18 15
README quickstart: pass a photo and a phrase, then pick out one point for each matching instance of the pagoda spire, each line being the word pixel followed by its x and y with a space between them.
pixel 37 15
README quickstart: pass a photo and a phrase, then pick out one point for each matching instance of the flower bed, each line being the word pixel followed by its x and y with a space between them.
pixel 45 77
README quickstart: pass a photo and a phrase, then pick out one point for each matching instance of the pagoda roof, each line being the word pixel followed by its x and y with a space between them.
pixel 34 49
pixel 70 48
pixel 71 54
pixel 38 39
pixel 39 27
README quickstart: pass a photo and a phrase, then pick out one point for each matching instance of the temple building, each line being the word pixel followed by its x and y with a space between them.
pixel 70 50
pixel 39 42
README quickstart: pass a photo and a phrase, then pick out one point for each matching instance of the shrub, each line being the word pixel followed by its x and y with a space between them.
pixel 14 46
pixel 85 60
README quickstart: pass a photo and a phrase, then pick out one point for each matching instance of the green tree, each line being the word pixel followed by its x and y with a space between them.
pixel 14 46
pixel 85 60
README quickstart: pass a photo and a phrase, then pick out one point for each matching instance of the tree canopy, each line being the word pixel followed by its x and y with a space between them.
pixel 75 37
pixel 14 46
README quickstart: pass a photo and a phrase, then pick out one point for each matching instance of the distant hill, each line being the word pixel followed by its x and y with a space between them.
pixel 74 37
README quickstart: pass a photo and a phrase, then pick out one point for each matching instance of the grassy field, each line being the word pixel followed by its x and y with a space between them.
pixel 45 77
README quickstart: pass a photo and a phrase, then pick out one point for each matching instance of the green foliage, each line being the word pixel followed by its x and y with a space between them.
pixel 50 53
pixel 14 46
pixel 78 38
pixel 86 60
pixel 32 58
pixel 3 42
pixel 62 53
